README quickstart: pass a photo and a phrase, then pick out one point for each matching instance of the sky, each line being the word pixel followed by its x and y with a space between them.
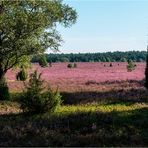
pixel 106 25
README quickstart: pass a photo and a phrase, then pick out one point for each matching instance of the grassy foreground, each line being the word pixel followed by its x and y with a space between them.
pixel 104 124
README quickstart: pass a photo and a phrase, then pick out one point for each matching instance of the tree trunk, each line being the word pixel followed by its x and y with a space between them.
pixel 4 90
pixel 2 75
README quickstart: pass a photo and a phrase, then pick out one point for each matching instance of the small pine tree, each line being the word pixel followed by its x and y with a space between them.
pixel 111 65
pixel 131 66
pixel 37 99
pixel 22 75
pixel 70 65
pixel 42 61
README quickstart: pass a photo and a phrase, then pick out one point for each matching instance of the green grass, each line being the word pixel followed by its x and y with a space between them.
pixel 116 124
pixel 106 108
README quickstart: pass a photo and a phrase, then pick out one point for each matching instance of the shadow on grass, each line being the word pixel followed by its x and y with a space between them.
pixel 107 97
pixel 126 128
pixel 126 93
pixel 121 82
pixel 113 96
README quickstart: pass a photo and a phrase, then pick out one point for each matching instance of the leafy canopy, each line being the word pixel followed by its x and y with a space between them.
pixel 28 27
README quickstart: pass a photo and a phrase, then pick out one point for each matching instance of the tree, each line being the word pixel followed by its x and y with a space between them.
pixel 108 59
pixel 28 27
pixel 123 60
pixel 42 61
pixel 37 99
pixel 131 66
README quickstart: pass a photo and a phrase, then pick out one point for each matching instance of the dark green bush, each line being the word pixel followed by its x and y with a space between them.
pixel 22 75
pixel 111 65
pixel 72 65
pixel 4 90
pixel 37 99
pixel 131 66
pixel 43 61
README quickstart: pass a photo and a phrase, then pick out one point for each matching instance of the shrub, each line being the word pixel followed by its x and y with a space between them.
pixel 22 75
pixel 37 99
pixel 72 65
pixel 4 90
pixel 111 65
pixel 43 61
pixel 131 66
pixel 75 65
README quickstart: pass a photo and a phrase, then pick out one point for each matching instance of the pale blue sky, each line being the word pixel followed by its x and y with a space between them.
pixel 106 25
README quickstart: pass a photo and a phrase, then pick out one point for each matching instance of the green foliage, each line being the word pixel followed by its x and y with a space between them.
pixel 43 61
pixel 24 62
pixel 131 66
pixel 4 90
pixel 28 27
pixel 72 65
pixel 37 99
pixel 123 60
pixel 64 59
pixel 108 59
pixel 137 56
pixel 22 75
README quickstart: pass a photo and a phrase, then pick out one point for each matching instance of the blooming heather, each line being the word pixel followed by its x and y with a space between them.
pixel 76 79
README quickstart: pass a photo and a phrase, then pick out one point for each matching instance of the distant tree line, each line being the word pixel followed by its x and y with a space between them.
pixel 135 56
